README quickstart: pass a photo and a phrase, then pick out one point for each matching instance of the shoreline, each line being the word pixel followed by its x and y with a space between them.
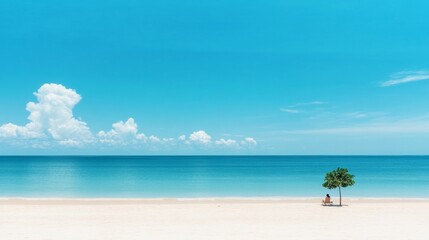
pixel 4 200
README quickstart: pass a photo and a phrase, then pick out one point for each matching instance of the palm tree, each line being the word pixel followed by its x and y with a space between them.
pixel 337 179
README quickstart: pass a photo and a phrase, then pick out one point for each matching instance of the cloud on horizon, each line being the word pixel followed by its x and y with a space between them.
pixel 406 77
pixel 52 123
pixel 51 118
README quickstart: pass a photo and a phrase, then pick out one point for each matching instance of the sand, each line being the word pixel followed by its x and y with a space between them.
pixel 222 219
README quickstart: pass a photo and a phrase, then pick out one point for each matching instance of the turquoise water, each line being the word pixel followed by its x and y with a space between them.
pixel 209 176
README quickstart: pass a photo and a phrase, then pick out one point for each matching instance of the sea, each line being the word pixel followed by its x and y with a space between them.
pixel 209 176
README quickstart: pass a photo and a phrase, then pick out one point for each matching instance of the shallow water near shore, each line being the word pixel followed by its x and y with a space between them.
pixel 208 176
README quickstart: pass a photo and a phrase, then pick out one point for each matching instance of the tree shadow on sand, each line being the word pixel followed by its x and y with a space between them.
pixel 335 205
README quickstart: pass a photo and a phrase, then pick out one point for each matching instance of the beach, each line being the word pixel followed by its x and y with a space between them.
pixel 216 218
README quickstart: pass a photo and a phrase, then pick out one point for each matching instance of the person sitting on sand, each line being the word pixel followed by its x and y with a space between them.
pixel 327 200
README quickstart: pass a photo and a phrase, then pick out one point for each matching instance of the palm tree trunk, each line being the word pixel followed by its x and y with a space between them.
pixel 339 188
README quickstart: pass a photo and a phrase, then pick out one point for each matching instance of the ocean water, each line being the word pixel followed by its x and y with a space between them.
pixel 209 176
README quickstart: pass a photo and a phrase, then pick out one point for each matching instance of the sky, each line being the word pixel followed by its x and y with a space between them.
pixel 214 77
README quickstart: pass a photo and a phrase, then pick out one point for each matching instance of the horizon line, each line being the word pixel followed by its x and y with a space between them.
pixel 217 155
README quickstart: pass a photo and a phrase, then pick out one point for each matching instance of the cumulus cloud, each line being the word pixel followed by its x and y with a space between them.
pixel 10 130
pixel 123 133
pixel 154 139
pixel 200 137
pixel 249 141
pixel 52 122
pixel 52 117
pixel 182 138
pixel 228 142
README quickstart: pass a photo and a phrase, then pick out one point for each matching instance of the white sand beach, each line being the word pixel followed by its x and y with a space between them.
pixel 213 219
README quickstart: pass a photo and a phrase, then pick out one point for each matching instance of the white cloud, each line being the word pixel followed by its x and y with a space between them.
pixel 406 77
pixel 51 122
pixel 200 137
pixel 182 138
pixel 249 141
pixel 122 133
pixel 10 130
pixel 154 139
pixel 224 142
pixel 52 118
pixel 168 140
pixel 245 143
pixel 69 142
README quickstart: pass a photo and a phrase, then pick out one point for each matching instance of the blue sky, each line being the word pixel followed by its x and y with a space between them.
pixel 296 77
